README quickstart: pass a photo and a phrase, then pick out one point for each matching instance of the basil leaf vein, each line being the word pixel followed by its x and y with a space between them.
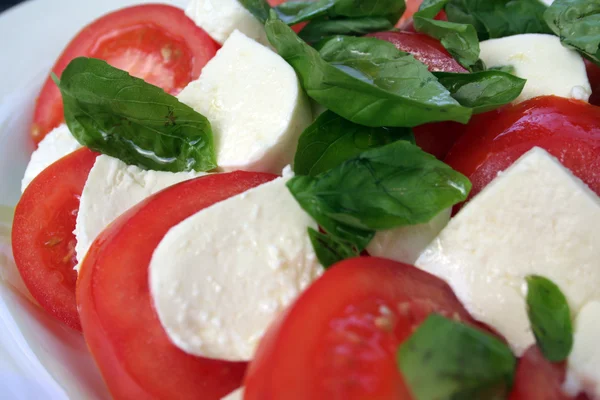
pixel 111 112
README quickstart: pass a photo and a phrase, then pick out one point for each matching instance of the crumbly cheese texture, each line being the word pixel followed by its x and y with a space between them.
pixel 219 278
pixel 583 372
pixel 219 18
pixel 254 103
pixel 58 143
pixel 535 218
pixel 112 188
pixel 549 67
pixel 237 395
pixel 406 243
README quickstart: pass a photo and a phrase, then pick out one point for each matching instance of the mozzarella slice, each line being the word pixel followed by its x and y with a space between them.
pixel 535 218
pixel 549 67
pixel 57 144
pixel 219 18
pixel 112 188
pixel 219 278
pixel 405 244
pixel 254 103
pixel 582 368
pixel 237 395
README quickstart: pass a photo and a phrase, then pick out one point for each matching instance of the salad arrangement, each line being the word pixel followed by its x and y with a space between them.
pixel 324 199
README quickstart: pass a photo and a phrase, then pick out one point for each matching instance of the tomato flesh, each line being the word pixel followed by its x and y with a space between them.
pixel 43 242
pixel 121 327
pixel 567 129
pixel 339 339
pixel 158 43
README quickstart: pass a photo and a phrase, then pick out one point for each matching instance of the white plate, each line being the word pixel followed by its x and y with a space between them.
pixel 39 358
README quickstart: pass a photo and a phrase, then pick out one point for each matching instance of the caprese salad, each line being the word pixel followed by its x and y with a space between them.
pixel 330 199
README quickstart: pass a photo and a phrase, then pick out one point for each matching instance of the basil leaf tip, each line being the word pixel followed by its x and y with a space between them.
pixel 114 113
pixel 550 318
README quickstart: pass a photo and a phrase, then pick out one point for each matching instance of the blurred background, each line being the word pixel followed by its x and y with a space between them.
pixel 4 4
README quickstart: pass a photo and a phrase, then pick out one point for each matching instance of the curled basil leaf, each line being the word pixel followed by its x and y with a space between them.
pixel 331 140
pixel 550 318
pixel 116 114
pixel 320 29
pixel 366 80
pixel 446 359
pixel 577 23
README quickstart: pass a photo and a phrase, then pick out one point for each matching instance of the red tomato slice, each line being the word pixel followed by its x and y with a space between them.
pixel 424 48
pixel 539 379
pixel 339 339
pixel 567 129
pixel 43 242
pixel 121 327
pixel 593 73
pixel 412 6
pixel 158 43
pixel 439 137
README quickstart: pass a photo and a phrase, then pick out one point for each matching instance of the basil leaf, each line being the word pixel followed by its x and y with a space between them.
pixel 331 140
pixel 319 29
pixel 550 318
pixel 366 80
pixel 482 91
pixel 384 188
pixel 509 69
pixel 329 249
pixel 577 23
pixel 445 359
pixel 459 39
pixel 114 113
pixel 499 18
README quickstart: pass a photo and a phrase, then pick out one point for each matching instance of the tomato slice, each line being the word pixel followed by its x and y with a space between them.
pixel 43 242
pixel 339 339
pixel 158 43
pixel 567 129
pixel 593 73
pixel 539 379
pixel 121 327
pixel 424 48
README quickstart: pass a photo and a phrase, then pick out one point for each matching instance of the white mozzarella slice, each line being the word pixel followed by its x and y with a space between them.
pixel 219 18
pixel 219 278
pixel 112 188
pixel 57 144
pixel 406 243
pixel 583 372
pixel 254 103
pixel 549 67
pixel 237 395
pixel 535 218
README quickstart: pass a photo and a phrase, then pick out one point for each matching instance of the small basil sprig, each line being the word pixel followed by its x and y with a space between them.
pixel 320 29
pixel 577 23
pixel 458 38
pixel 331 140
pixel 499 18
pixel 445 359
pixel 299 11
pixel 114 113
pixel 482 91
pixel 366 80
pixel 329 249
pixel 550 318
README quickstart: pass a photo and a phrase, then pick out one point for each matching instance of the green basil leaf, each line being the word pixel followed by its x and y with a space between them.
pixel 259 8
pixel 319 29
pixel 384 188
pixel 445 359
pixel 329 249
pixel 366 80
pixel 550 318
pixel 577 23
pixel 499 18
pixel 509 69
pixel 482 91
pixel 459 39
pixel 113 113
pixel 331 140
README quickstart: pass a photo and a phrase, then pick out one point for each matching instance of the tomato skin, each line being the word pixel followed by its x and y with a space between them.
pixel 43 242
pixel 439 137
pixel 593 73
pixel 539 379
pixel 358 312
pixel 121 327
pixel 567 129
pixel 424 48
pixel 156 42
